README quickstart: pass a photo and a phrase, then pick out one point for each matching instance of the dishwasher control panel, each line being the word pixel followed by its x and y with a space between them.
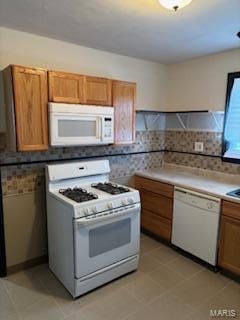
pixel 197 199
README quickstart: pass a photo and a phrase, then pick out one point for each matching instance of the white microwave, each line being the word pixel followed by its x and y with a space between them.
pixel 78 125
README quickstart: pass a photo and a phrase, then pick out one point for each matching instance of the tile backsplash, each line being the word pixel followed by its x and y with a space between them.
pixel 124 160
pixel 201 161
pixel 150 150
pixel 184 141
pixel 145 141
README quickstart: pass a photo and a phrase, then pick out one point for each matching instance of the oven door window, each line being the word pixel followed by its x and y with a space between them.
pixel 109 237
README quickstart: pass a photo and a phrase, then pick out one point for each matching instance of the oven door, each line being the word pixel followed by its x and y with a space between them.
pixel 104 240
pixel 75 129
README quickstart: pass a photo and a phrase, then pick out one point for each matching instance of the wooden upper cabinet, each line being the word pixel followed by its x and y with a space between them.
pixel 124 99
pixel 27 107
pixel 66 87
pixel 98 91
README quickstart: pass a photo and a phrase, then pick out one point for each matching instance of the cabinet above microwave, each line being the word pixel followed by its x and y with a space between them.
pixel 67 87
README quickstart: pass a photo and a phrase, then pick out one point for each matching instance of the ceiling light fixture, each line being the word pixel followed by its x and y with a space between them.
pixel 174 4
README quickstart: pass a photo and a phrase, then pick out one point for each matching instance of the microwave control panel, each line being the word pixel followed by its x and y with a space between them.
pixel 108 128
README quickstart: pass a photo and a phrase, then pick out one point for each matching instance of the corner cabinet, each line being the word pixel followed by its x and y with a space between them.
pixel 124 101
pixel 157 206
pixel 66 87
pixel 26 93
pixel 229 247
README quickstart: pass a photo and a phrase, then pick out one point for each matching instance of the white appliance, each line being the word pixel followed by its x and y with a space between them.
pixel 75 124
pixel 196 224
pixel 93 225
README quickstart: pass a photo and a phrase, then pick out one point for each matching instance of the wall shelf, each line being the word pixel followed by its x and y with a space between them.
pixel 201 120
pixel 171 112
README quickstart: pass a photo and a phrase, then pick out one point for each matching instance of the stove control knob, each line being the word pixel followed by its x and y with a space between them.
pixel 124 202
pixel 94 209
pixel 86 211
pixel 110 205
pixel 130 200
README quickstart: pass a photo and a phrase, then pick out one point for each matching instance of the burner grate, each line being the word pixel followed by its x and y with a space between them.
pixel 110 188
pixel 78 194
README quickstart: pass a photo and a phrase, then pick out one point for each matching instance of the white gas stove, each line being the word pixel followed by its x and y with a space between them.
pixel 93 225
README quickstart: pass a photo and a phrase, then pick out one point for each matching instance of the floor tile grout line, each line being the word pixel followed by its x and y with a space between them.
pixel 212 296
pixel 208 299
pixel 50 295
pixel 13 305
pixel 167 292
pixel 12 301
pixel 140 301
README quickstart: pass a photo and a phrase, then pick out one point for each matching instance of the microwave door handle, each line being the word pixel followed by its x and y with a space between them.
pixel 99 125
pixel 102 128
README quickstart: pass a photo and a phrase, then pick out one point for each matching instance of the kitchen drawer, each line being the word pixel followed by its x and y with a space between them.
pixel 231 209
pixel 161 227
pixel 154 186
pixel 156 203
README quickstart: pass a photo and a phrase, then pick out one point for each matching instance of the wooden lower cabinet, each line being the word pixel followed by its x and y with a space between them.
pixel 160 205
pixel 156 224
pixel 158 187
pixel 229 249
pixel 157 206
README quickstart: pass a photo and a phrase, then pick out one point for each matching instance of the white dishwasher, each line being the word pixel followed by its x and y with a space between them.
pixel 196 223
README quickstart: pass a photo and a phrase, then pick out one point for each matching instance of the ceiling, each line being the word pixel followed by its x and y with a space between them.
pixel 138 28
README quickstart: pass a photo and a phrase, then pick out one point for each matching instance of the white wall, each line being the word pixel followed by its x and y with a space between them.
pixel 194 84
pixel 201 83
pixel 31 50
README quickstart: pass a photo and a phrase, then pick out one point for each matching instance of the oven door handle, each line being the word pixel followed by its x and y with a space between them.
pixel 108 216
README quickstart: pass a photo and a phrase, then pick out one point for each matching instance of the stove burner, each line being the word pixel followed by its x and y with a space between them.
pixel 78 194
pixel 110 188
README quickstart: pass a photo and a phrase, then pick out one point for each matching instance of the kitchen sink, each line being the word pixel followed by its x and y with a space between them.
pixel 234 193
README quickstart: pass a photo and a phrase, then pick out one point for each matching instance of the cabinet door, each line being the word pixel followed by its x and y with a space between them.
pixel 66 87
pixel 124 96
pixel 229 251
pixel 98 91
pixel 31 102
pixel 160 205
pixel 160 226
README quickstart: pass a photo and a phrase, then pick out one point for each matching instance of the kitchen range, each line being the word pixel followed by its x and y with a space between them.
pixel 93 225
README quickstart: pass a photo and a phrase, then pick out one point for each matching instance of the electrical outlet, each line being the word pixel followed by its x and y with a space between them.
pixel 198 146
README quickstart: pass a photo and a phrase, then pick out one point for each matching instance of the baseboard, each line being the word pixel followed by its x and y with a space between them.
pixel 27 264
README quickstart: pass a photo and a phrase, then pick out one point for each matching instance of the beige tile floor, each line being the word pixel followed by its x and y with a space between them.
pixel 167 286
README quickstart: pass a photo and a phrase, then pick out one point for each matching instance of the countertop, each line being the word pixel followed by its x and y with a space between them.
pixel 209 182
